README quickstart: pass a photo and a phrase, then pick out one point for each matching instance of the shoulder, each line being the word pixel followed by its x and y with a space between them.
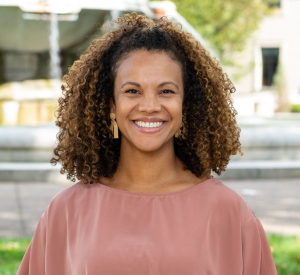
pixel 228 200
pixel 72 197
pixel 222 194
pixel 64 210
pixel 75 190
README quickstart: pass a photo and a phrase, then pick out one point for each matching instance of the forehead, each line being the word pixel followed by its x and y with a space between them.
pixel 146 65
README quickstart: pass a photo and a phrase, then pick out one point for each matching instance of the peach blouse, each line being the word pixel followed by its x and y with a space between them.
pixel 206 229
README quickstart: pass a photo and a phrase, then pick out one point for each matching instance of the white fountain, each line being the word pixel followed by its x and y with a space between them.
pixel 55 70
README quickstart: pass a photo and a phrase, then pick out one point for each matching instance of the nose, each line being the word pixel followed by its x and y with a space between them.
pixel 149 104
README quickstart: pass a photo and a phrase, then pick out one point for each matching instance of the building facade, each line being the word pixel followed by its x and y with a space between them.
pixel 271 71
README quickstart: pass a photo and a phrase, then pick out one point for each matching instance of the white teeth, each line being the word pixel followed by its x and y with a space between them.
pixel 148 125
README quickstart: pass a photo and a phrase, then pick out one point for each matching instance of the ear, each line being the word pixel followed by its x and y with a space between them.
pixel 112 107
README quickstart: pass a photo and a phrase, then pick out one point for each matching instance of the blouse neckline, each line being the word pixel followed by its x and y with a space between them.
pixel 198 185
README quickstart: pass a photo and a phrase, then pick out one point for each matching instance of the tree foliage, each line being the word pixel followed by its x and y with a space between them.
pixel 226 24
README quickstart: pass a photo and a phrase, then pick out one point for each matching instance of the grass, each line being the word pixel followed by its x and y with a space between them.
pixel 11 254
pixel 286 253
pixel 285 250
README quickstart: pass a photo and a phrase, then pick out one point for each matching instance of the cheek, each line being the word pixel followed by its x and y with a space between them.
pixel 175 108
pixel 124 106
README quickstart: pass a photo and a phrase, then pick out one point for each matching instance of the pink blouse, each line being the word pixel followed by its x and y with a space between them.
pixel 206 229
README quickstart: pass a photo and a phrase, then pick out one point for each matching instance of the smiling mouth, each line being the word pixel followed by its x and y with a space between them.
pixel 148 124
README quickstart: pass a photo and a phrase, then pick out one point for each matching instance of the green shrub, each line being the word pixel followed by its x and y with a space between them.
pixel 286 253
pixel 295 108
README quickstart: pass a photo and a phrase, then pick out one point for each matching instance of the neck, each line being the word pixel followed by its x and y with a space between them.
pixel 147 170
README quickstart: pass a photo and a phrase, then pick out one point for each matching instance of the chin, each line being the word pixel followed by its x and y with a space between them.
pixel 151 150
pixel 148 146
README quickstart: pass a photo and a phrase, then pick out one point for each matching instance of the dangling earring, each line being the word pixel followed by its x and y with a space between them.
pixel 178 133
pixel 181 131
pixel 114 126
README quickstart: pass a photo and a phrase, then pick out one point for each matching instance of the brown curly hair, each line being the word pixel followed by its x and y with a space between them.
pixel 86 148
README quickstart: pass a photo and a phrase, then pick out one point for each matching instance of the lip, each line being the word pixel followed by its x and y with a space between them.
pixel 149 130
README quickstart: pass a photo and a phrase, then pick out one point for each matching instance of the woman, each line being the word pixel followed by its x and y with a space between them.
pixel 145 117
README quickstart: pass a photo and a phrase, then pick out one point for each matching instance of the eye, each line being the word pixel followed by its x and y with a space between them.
pixel 132 91
pixel 167 92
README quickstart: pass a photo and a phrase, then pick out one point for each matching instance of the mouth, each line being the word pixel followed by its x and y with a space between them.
pixel 148 127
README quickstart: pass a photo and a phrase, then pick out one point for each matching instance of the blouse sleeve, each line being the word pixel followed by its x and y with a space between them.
pixel 34 259
pixel 257 255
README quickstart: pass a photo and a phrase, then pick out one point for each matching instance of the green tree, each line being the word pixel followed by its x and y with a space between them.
pixel 226 24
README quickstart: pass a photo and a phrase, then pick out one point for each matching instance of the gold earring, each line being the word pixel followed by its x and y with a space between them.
pixel 178 133
pixel 182 130
pixel 114 126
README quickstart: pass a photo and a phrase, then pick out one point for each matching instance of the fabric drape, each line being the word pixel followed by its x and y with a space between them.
pixel 94 229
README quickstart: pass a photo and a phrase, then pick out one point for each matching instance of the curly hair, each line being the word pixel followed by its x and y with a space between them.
pixel 85 146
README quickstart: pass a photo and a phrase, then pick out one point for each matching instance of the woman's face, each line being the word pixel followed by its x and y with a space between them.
pixel 148 92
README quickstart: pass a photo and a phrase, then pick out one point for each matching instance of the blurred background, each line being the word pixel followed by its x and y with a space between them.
pixel 257 43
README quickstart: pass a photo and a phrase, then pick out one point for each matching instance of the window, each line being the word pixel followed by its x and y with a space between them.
pixel 270 61
pixel 273 3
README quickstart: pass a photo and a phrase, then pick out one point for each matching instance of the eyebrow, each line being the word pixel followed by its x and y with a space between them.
pixel 168 82
pixel 131 83
pixel 160 85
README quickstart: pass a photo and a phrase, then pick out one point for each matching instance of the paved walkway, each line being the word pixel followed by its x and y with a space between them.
pixel 275 202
